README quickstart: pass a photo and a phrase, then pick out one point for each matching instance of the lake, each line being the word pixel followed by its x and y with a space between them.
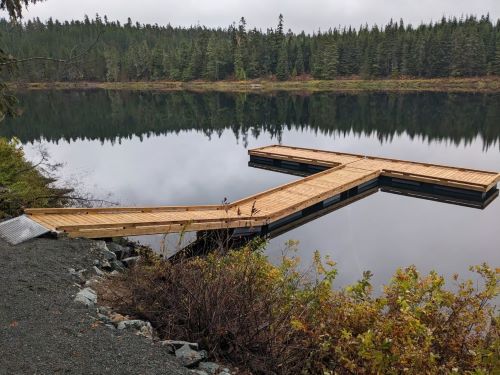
pixel 147 148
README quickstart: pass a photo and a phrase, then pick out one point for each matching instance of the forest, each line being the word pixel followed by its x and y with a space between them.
pixel 102 50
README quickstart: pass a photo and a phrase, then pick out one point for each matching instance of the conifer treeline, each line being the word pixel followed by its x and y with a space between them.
pixel 130 52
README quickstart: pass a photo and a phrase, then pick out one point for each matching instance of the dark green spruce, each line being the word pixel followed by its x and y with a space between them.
pixel 452 47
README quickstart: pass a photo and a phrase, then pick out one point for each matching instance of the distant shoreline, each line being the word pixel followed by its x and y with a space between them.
pixel 475 84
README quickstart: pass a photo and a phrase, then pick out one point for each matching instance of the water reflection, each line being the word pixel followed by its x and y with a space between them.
pixel 185 148
pixel 72 115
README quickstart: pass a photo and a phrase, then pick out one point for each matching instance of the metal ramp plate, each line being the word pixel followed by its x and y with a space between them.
pixel 21 229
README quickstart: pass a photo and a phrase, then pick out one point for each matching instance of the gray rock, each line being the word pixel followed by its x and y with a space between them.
pixel 198 372
pixel 114 273
pixel 104 251
pixel 96 262
pixel 108 255
pixel 78 274
pixel 120 251
pixel 106 265
pixel 147 331
pixel 94 280
pixel 189 357
pixel 170 349
pixel 104 310
pixel 224 373
pixel 210 368
pixel 178 344
pixel 104 318
pixel 99 246
pixel 143 327
pixel 86 296
pixel 134 323
pixel 116 265
pixel 130 261
pixel 98 271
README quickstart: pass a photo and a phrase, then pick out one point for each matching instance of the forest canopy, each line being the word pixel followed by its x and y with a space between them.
pixel 452 47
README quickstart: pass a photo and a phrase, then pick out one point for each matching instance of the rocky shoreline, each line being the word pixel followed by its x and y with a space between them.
pixel 110 264
pixel 37 333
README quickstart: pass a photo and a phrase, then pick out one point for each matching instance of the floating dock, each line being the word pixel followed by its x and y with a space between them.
pixel 332 180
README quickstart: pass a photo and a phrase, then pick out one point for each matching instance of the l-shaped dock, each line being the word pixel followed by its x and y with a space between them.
pixel 331 178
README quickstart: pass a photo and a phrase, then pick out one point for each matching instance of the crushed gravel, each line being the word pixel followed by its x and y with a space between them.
pixel 43 331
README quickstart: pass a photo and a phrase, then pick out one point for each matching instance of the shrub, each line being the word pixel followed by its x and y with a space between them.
pixel 275 319
pixel 24 184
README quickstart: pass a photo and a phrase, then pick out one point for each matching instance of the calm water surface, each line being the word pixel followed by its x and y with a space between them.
pixel 186 148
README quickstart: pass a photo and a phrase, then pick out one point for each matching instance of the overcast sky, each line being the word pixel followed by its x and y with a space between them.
pixel 308 15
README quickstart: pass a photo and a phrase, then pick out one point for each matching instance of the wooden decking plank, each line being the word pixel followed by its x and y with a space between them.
pixel 345 172
pixel 462 175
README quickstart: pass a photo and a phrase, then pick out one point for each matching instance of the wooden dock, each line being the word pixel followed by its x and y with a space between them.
pixel 464 178
pixel 332 177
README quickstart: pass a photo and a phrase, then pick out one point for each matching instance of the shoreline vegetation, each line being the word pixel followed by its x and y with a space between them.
pixel 487 84
pixel 26 184
pixel 276 319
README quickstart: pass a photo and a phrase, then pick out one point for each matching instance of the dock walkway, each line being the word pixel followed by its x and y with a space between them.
pixel 334 175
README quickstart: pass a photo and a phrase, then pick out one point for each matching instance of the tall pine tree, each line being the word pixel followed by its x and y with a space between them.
pixel 282 70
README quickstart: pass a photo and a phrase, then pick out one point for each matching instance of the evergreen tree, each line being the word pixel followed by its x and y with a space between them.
pixel 468 54
pixel 299 62
pixel 496 63
pixel 157 70
pixel 212 69
pixel 112 65
pixel 277 38
pixel 15 7
pixel 239 70
pixel 188 73
pixel 240 47
pixel 330 60
pixel 282 71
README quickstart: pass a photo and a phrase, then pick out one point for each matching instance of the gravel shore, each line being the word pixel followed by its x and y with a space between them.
pixel 42 329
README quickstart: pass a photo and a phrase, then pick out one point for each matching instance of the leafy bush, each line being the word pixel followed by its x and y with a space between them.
pixel 24 184
pixel 276 319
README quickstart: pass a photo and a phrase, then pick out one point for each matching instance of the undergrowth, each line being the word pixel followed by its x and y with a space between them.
pixel 279 320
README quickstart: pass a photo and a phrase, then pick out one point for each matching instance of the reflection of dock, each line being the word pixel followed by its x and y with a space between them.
pixel 333 180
